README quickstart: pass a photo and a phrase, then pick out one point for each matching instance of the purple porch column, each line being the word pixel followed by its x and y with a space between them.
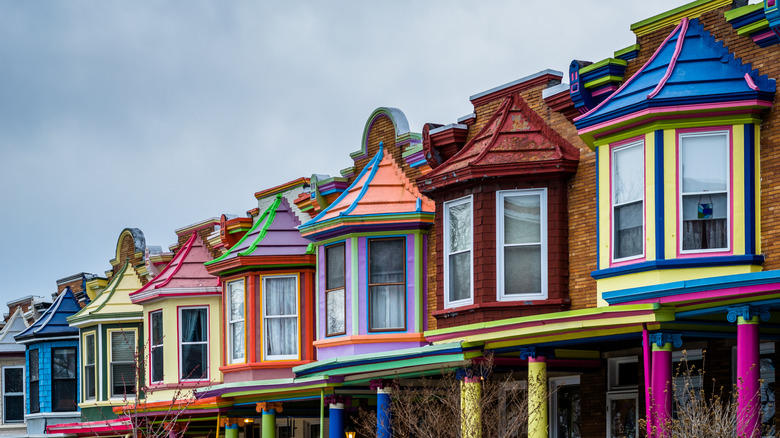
pixel 661 387
pixel 748 368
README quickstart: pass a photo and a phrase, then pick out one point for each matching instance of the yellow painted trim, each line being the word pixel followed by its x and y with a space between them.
pixel 751 321
pixel 649 196
pixel 670 193
pixel 738 189
pixel 667 347
pixel 647 278
pixel 84 335
pixel 691 10
pixel 605 202
pixel 757 155
pixel 567 336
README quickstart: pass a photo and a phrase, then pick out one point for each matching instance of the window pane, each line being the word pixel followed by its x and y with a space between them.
pixel 237 330
pixel 459 217
pixel 89 382
pixel 334 277
pixel 623 417
pixel 14 408
pixel 122 347
pixel 336 322
pixel 89 342
pixel 628 230
pixel 281 336
pixel 35 405
pixel 194 361
pixel 193 324
pixel 628 184
pixel 568 411
pixel 122 379
pixel 34 364
pixel 387 307
pixel 522 269
pixel 157 328
pixel 236 301
pixel 157 363
pixel 522 216
pixel 64 397
pixel 387 261
pixel 704 161
pixel 13 380
pixel 460 276
pixel 63 363
pixel 280 296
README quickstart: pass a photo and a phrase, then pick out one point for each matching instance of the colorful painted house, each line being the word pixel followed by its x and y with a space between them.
pixel 12 385
pixel 181 314
pixel 51 371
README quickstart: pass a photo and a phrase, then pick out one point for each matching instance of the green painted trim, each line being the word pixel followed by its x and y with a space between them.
pixel 266 225
pixel 422 373
pixel 355 287
pixel 271 210
pixel 391 367
pixel 426 349
pixel 418 283
pixel 602 81
pixel 630 48
pixel 412 150
pixel 677 124
pixel 744 10
pixel 656 19
pixel 602 63
pixel 549 316
pixel 750 28
pixel 347 171
pixel 260 392
pixel 238 230
pixel 292 267
pixel 85 314
pixel 367 234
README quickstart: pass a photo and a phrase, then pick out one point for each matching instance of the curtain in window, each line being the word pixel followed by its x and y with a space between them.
pixel 237 321
pixel 336 306
pixel 194 348
pixel 459 221
pixel 387 265
pixel 387 307
pixel 704 160
pixel 628 201
pixel 281 311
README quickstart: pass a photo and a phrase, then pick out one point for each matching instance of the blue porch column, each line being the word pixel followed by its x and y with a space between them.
pixel 383 412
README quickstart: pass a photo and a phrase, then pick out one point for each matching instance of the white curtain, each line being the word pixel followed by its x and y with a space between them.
pixel 387 307
pixel 281 312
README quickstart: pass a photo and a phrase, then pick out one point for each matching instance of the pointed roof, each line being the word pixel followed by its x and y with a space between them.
pixel 689 67
pixel 381 197
pixel 184 275
pixel 515 142
pixel 113 303
pixel 274 237
pixel 53 323
pixel 15 325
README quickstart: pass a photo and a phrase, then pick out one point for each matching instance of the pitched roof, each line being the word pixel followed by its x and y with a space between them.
pixel 516 141
pixel 184 275
pixel 689 67
pixel 53 322
pixel 274 233
pixel 381 195
pixel 114 301
pixel 15 325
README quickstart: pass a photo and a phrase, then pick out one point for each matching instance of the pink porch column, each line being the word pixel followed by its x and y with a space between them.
pixel 661 387
pixel 748 368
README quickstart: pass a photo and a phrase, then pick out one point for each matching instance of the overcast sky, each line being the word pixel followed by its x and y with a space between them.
pixel 156 115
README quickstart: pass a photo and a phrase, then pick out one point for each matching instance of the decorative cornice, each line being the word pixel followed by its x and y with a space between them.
pixel 662 338
pixel 747 313
pixel 269 406
pixel 669 18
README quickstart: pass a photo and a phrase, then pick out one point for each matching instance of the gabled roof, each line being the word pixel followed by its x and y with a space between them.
pixel 381 196
pixel 113 303
pixel 15 325
pixel 185 275
pixel 274 234
pixel 53 323
pixel 515 142
pixel 689 68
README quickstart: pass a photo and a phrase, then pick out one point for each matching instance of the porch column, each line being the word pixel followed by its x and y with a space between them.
pixel 748 368
pixel 537 397
pixel 470 407
pixel 336 405
pixel 269 410
pixel 383 411
pixel 231 430
pixel 661 381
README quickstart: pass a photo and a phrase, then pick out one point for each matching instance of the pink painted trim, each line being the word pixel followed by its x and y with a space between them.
pixel 748 374
pixel 669 117
pixel 647 361
pixel 638 73
pixel 677 49
pixel 643 257
pixel 714 295
pixel 185 250
pixel 750 82
pixel 151 341
pixel 763 35
pixel 604 90
pixel 730 195
pixel 676 108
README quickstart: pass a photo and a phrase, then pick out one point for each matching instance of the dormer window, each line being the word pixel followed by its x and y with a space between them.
pixel 387 284
pixel 458 257
pixel 628 171
pixel 704 191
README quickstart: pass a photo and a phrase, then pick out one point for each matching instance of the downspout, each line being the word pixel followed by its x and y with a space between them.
pixel 648 407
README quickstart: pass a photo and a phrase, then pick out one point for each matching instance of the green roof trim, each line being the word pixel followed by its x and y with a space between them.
pixel 626 50
pixel 675 11
pixel 412 150
pixel 602 63
pixel 266 218
pixel 753 27
pixel 744 10
pixel 110 289
pixel 602 81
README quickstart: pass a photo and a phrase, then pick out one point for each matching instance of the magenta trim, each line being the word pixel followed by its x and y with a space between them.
pixel 714 295
pixel 639 72
pixel 662 391
pixel 763 35
pixel 748 373
pixel 750 82
pixel 604 90
pixel 648 404
pixel 677 49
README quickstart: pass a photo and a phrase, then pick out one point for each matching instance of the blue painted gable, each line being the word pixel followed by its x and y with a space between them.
pixel 53 322
pixel 696 70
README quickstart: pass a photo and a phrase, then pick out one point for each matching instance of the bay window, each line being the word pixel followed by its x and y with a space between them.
pixel 458 255
pixel 13 394
pixel 156 346
pixel 704 191
pixel 522 244
pixel 122 366
pixel 387 284
pixel 280 316
pixel 193 344
pixel 35 405
pixel 89 366
pixel 235 318
pixel 63 372
pixel 628 188
pixel 335 304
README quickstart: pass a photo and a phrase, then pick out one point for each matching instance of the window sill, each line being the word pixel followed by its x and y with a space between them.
pixel 263 365
pixel 500 305
pixel 369 339
pixel 180 385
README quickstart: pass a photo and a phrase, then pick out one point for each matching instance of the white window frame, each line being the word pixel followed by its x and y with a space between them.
pixel 23 394
pixel 230 322
pixel 125 332
pixel 622 395
pixel 296 316
pixel 543 224
pixel 680 194
pixel 447 205
pixel 86 396
pixel 613 167
pixel 182 377
pixel 154 345
pixel 612 372
pixel 555 383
